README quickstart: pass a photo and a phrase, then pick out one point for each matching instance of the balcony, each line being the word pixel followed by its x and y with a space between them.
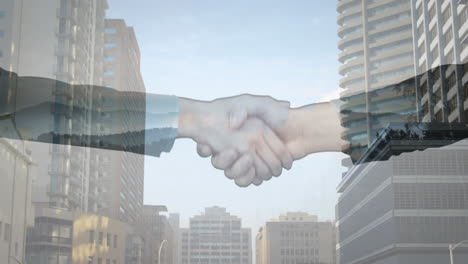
pixel 58 191
pixel 59 170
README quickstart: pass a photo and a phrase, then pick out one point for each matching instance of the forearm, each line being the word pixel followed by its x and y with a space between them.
pixel 316 128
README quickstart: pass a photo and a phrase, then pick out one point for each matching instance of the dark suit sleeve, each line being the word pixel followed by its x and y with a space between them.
pixel 50 111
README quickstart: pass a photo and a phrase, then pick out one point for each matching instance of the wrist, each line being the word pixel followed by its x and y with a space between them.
pixel 192 114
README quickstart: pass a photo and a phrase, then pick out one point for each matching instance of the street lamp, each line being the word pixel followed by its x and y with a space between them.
pixel 453 247
pixel 160 249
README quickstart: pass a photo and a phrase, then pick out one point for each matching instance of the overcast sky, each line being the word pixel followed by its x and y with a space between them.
pixel 205 49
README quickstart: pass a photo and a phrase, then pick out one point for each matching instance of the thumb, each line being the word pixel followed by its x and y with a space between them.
pixel 237 116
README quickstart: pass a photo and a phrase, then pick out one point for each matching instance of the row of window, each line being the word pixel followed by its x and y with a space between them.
pixel 100 261
pixel 299 252
pixel 100 239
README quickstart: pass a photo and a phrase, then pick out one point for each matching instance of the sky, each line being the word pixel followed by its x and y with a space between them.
pixel 206 49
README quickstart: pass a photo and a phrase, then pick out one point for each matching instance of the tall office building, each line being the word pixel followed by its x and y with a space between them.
pixel 409 208
pixel 216 236
pixel 57 40
pixel 376 44
pixel 295 237
pixel 441 37
pixel 120 174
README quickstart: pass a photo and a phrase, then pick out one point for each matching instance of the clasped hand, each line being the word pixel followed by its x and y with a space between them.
pixel 244 135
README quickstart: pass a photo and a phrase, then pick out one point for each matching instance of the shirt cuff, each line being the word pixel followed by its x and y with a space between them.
pixel 161 123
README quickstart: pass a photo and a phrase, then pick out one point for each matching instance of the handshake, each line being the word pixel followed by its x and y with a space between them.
pixel 252 138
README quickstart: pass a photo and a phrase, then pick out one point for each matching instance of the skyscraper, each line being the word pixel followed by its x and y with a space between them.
pixel 64 47
pixel 295 237
pixel 216 236
pixel 441 54
pixel 376 44
pixel 122 173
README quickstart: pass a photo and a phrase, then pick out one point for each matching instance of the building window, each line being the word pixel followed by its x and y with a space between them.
pixel 91 236
pixel 108 239
pixel 439 116
pixel 2 14
pixel 432 11
pixel 419 10
pixel 450 58
pixel 425 109
pixel 422 48
pixel 110 31
pixel 115 241
pixel 448 36
pixel 90 260
pixel 435 53
pixel 110 45
pixel 463 17
pixel 452 104
pixel 465 89
pixel 421 29
pixel 446 15
pixel 451 80
pixel 100 238
pixel 7 234
pixel 433 33
pixel 99 261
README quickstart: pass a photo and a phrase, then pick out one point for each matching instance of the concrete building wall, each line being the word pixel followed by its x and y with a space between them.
pixel 296 237
pixel 216 236
pixel 16 213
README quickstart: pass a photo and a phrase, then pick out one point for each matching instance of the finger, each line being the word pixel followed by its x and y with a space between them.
pixel 240 167
pixel 257 181
pixel 261 169
pixel 204 150
pixel 267 155
pixel 224 159
pixel 279 148
pixel 246 179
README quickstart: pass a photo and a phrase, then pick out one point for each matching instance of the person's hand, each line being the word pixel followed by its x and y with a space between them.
pixel 219 127
pixel 310 129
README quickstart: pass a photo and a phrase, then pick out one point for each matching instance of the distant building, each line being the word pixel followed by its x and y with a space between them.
pixel 407 199
pixel 216 236
pixel 156 230
pixel 296 238
pixel 174 221
pixel 16 213
pixel 99 240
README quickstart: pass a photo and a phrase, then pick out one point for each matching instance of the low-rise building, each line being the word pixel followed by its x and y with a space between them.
pixel 296 237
